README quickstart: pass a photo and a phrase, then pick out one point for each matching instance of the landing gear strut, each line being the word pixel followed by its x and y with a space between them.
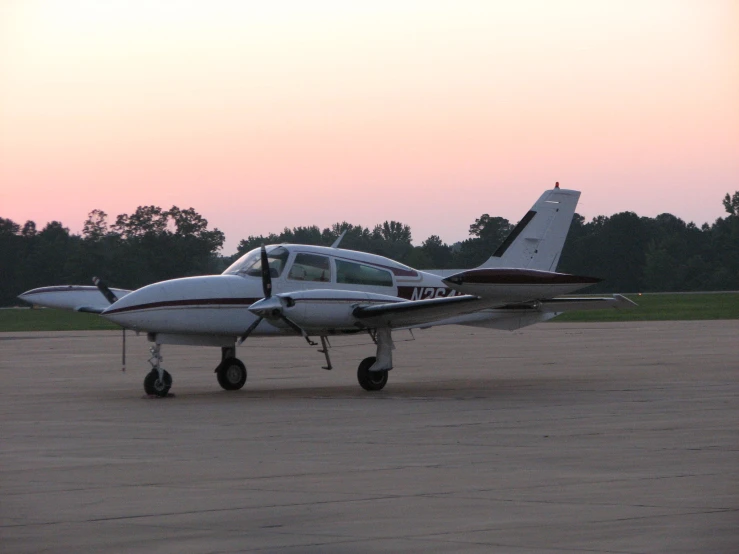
pixel 231 372
pixel 158 381
pixel 372 372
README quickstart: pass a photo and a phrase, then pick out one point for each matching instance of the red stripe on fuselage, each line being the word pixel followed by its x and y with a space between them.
pixel 519 277
pixel 61 288
pixel 191 303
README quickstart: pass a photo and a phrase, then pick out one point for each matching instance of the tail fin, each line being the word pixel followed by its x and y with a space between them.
pixel 537 241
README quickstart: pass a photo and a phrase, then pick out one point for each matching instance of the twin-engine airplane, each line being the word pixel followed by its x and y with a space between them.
pixel 292 289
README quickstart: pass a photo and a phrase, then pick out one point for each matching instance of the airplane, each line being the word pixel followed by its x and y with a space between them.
pixel 319 291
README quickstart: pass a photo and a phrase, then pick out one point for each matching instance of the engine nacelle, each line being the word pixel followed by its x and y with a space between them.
pixel 323 309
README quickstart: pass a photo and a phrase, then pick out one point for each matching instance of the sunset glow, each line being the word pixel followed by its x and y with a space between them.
pixel 265 115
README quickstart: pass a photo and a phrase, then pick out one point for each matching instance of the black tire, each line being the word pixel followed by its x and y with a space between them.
pixel 231 374
pixel 154 387
pixel 371 380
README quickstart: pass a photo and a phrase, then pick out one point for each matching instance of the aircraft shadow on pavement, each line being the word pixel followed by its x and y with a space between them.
pixel 539 388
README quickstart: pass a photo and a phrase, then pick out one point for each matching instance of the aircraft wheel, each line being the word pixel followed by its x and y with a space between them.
pixel 371 380
pixel 231 374
pixel 154 387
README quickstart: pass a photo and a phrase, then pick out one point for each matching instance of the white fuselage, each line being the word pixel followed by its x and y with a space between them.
pixel 218 304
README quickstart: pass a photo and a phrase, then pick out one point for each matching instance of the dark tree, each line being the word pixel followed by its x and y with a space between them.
pixel 96 225
pixel 146 220
pixel 394 231
pixel 632 253
pixel 731 203
pixel 438 253
pixel 29 229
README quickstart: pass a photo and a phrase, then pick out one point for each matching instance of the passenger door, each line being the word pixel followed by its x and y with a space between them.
pixel 309 272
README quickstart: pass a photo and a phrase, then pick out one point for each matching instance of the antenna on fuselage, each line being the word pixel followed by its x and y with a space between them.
pixel 338 240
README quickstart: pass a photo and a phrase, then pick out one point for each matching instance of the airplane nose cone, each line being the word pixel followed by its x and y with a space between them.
pixel 187 305
pixel 127 310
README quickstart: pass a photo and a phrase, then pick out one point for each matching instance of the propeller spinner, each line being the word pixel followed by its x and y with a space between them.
pixel 270 308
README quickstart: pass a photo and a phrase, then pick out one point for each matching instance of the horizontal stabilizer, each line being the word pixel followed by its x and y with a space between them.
pixel 516 285
pixel 617 301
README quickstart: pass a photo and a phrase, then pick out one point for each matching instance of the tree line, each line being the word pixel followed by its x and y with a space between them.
pixel 630 252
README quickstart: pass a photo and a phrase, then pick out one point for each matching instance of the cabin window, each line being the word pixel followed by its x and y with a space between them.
pixel 359 274
pixel 310 267
pixel 251 263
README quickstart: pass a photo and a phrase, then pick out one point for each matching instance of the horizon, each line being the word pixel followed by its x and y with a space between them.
pixel 416 241
pixel 262 117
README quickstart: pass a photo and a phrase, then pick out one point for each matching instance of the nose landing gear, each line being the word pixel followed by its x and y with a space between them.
pixel 158 381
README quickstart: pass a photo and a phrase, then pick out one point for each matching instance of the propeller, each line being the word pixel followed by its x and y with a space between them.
pixel 112 298
pixel 266 274
pixel 106 292
pixel 266 287
pixel 249 329
pixel 271 308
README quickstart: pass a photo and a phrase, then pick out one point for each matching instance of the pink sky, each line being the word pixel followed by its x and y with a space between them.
pixel 265 115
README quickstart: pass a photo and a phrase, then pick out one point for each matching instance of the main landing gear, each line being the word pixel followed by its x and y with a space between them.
pixel 372 371
pixel 231 372
pixel 371 380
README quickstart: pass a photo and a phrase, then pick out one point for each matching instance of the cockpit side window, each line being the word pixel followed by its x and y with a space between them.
pixel 251 263
pixel 310 267
pixel 359 274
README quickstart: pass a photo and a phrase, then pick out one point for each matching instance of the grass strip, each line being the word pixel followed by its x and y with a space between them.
pixel 664 307
pixel 47 319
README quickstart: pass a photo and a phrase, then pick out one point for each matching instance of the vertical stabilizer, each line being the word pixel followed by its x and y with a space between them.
pixel 537 241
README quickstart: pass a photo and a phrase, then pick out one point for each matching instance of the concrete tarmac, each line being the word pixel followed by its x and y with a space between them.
pixel 556 438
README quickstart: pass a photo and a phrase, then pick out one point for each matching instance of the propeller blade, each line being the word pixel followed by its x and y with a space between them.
pixel 292 324
pixel 266 275
pixel 103 288
pixel 297 329
pixel 250 329
pixel 112 298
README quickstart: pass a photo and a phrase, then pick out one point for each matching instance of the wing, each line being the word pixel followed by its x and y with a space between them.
pixel 427 313
pixel 71 297
pixel 420 312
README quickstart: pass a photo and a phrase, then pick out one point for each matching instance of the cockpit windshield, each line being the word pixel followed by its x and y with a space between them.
pixel 250 263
